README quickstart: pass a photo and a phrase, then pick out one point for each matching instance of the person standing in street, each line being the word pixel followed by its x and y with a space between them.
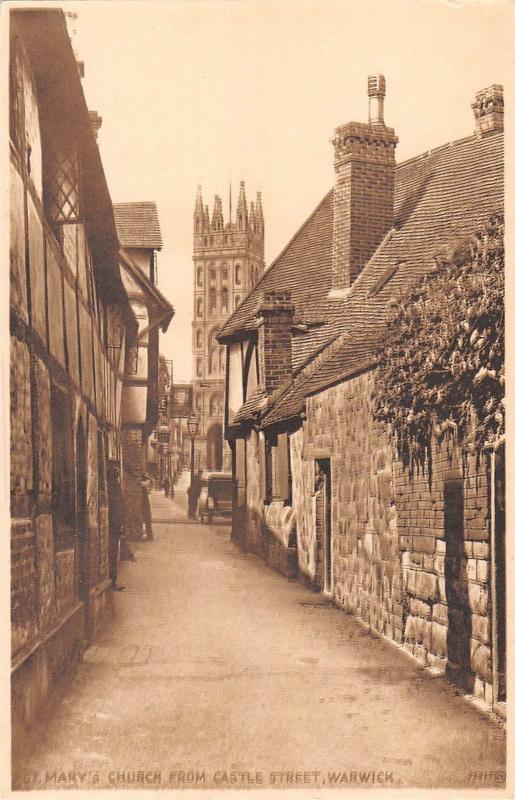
pixel 116 521
pixel 146 484
pixel 194 494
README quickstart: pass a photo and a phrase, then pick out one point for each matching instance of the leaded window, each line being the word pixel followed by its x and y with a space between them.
pixel 62 181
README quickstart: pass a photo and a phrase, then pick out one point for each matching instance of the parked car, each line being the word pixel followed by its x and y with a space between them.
pixel 215 496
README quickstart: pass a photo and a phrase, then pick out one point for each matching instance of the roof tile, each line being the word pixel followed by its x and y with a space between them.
pixel 137 225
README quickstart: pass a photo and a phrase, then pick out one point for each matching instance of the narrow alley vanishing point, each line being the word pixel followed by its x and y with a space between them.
pixel 216 671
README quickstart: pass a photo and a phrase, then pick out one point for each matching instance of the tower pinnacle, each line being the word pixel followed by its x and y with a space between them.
pixel 241 210
pixel 198 214
pixel 217 220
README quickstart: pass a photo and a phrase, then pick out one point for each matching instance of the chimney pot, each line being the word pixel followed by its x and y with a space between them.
pixel 376 95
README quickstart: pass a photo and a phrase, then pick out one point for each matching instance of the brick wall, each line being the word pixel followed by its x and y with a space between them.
pixel 133 469
pixel 21 429
pixel 92 503
pixel 42 434
pixel 23 583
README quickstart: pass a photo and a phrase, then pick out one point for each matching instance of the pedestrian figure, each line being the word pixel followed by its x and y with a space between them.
pixel 166 486
pixel 116 521
pixel 146 484
pixel 194 494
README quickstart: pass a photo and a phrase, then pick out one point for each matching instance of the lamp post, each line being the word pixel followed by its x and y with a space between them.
pixel 193 430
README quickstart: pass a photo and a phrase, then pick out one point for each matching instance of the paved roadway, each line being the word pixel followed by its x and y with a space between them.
pixel 215 671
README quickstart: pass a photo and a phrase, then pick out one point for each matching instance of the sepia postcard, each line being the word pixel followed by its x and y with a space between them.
pixel 257 397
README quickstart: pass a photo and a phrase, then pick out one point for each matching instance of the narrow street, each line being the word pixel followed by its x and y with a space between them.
pixel 214 671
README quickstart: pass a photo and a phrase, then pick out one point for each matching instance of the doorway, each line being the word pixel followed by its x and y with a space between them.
pixel 215 448
pixel 323 525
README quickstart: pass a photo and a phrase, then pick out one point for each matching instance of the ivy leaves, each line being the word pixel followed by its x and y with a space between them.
pixel 441 371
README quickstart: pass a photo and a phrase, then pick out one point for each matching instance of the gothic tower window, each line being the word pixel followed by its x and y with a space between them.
pixel 237 274
pixel 199 306
pixel 225 274
pixel 199 276
pixel 199 367
pixel 215 405
pixel 225 301
pixel 237 300
pixel 212 301
pixel 199 337
pixel 197 226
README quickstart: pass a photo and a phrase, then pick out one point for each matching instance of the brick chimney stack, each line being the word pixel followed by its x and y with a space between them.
pixel 274 346
pixel 488 108
pixel 364 163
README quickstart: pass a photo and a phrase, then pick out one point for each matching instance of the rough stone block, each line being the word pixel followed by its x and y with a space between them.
pixel 439 639
pixel 481 662
pixel 440 613
pixel 481 549
pixel 419 609
pixel 479 688
pixel 478 599
pixel 482 572
pixel 426 586
pixel 481 628
pixel 471 568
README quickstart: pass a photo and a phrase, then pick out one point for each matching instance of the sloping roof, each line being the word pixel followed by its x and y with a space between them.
pixel 256 402
pixel 165 309
pixel 45 37
pixel 138 225
pixel 441 196
pixel 303 267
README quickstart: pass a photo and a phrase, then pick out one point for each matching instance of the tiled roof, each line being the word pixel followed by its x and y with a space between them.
pixel 137 225
pixel 256 402
pixel 303 267
pixel 441 196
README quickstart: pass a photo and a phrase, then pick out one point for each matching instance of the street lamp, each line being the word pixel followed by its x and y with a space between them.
pixel 193 430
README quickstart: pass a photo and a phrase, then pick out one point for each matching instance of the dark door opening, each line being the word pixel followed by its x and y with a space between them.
pixel 459 631
pixel 323 522
pixel 215 448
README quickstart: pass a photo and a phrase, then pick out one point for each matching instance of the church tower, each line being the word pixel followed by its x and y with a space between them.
pixel 228 261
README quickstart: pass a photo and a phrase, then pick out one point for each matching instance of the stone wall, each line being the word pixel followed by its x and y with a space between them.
pixel 410 553
pixel 365 549
pixel 444 527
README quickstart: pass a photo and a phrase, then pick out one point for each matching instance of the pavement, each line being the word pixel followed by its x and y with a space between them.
pixel 216 672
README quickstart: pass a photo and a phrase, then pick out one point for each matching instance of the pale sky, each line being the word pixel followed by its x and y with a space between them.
pixel 211 92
